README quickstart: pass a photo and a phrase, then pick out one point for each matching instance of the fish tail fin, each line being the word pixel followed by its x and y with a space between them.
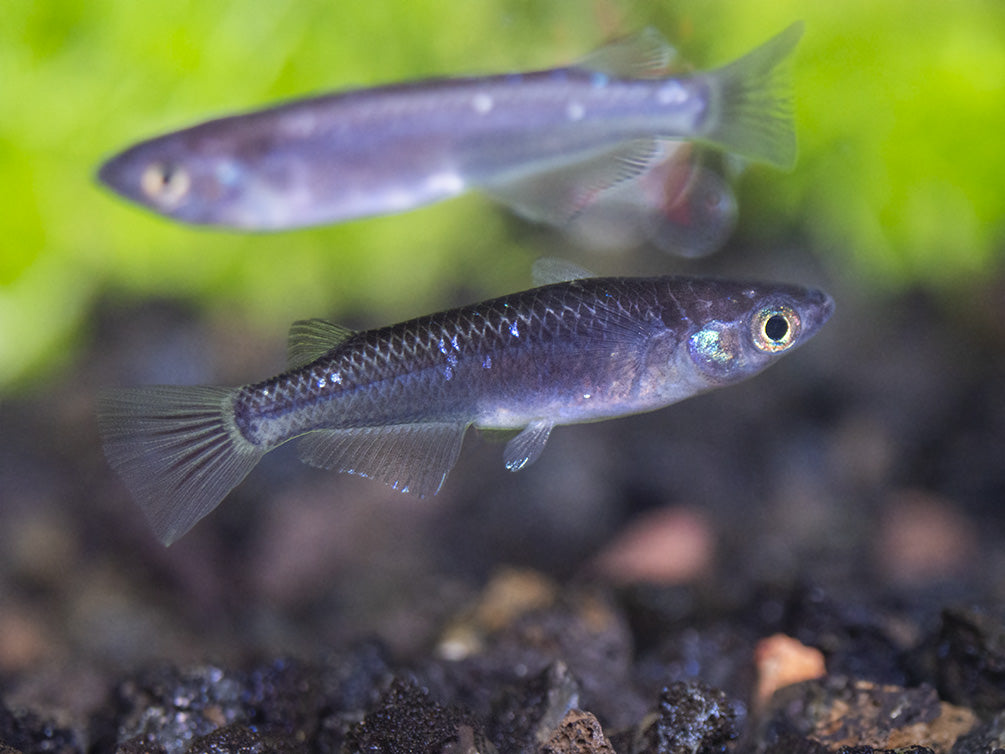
pixel 751 107
pixel 177 449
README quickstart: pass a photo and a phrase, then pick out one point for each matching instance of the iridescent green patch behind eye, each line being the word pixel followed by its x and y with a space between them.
pixel 716 350
pixel 708 342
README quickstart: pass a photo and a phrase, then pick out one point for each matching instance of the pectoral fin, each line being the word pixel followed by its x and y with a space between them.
pixel 412 458
pixel 526 447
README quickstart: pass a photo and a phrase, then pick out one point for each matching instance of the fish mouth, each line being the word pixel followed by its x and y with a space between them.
pixel 104 173
pixel 114 174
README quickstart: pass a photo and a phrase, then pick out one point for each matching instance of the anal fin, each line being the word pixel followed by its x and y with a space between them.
pixel 557 195
pixel 412 458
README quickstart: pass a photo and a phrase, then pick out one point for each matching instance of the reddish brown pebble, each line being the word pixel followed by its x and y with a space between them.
pixel 578 733
pixel 782 661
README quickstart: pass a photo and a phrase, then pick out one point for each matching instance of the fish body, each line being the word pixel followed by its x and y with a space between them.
pixel 387 149
pixel 394 403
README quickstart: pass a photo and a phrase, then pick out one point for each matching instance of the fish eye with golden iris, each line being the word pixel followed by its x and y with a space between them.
pixel 393 403
pixel 775 329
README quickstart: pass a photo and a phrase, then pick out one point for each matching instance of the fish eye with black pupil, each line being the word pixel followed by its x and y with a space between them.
pixel 165 184
pixel 775 328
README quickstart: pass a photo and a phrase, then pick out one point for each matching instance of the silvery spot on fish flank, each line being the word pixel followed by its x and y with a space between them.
pixel 545 143
pixel 393 403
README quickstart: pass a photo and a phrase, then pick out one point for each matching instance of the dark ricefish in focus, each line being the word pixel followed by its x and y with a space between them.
pixel 546 143
pixel 394 403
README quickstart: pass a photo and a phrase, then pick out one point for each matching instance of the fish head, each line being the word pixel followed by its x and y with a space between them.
pixel 184 176
pixel 737 329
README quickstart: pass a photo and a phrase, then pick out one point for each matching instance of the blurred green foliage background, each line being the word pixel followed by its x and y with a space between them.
pixel 899 182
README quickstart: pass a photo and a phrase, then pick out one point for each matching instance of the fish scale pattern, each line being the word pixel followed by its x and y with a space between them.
pixel 443 364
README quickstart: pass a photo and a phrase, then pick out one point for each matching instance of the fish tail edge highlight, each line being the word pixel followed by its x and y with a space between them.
pixel 751 108
pixel 178 450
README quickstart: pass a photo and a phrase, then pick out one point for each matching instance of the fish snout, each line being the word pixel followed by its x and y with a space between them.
pixel 819 308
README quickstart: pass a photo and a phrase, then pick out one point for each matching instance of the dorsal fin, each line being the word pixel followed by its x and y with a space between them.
pixel 643 55
pixel 548 270
pixel 310 339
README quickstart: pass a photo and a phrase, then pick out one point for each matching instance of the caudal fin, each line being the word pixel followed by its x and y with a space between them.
pixel 177 449
pixel 751 108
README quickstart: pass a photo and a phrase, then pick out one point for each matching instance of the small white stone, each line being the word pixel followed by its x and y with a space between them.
pixel 575 111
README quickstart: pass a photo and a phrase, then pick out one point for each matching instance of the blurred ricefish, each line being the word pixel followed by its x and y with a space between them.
pixel 394 403
pixel 545 143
